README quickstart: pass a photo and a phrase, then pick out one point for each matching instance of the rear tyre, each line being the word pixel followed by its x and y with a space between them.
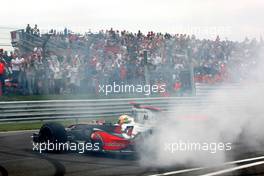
pixel 52 134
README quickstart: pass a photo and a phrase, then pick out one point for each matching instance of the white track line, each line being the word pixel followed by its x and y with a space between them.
pixel 177 172
pixel 244 160
pixel 234 169
pixel 200 168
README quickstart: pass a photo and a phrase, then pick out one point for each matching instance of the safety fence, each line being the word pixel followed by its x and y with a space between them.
pixel 103 108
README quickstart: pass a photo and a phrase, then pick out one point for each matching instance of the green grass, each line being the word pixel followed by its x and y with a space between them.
pixel 15 126
pixel 20 126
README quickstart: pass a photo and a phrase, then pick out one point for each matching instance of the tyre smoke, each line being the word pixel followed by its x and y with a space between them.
pixel 216 127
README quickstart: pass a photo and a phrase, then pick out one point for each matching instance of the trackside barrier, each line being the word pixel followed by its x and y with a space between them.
pixel 71 109
pixel 101 108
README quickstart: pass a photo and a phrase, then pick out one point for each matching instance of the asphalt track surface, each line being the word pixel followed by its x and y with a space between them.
pixel 18 159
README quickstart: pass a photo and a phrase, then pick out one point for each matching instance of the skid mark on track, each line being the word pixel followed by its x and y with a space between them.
pixel 3 171
pixel 59 168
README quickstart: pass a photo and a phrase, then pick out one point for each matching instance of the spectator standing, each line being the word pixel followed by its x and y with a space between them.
pixel 17 64
pixel 36 31
pixel 2 75
pixel 28 29
pixel 75 76
pixel 40 75
pixel 57 75
pixel 30 72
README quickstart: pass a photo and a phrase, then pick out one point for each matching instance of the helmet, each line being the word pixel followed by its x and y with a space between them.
pixel 124 119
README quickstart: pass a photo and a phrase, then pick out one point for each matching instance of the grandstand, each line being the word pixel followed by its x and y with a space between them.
pixel 71 63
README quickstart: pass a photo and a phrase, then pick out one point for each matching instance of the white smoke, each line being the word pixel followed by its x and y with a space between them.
pixel 227 116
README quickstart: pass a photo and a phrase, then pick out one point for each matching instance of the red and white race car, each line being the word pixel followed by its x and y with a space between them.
pixel 105 137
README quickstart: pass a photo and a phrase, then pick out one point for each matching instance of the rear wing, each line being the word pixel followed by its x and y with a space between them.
pixel 139 106
pixel 145 115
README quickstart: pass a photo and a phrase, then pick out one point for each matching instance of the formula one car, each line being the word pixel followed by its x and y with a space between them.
pixel 104 137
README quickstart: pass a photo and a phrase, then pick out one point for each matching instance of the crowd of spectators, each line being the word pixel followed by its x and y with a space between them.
pixel 78 63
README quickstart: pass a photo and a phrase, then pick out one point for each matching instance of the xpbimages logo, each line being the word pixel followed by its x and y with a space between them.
pixel 126 88
pixel 57 146
pixel 184 146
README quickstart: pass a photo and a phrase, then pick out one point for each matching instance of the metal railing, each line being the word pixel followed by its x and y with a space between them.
pixel 103 108
pixel 71 109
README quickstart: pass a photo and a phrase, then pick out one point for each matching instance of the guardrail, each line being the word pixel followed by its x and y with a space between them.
pixel 75 109
pixel 102 108
pixel 71 109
